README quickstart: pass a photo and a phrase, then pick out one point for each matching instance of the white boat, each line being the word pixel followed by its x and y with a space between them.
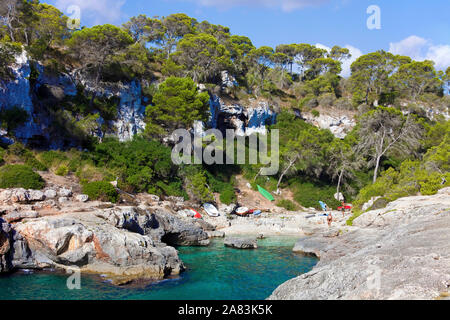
pixel 211 210
pixel 241 211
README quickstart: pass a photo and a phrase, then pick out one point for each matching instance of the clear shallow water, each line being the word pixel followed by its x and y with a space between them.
pixel 213 272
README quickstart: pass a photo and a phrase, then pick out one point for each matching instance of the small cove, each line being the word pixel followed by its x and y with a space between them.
pixel 213 273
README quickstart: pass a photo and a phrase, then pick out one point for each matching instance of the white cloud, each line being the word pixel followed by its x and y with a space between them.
pixel 346 64
pixel 285 5
pixel 95 11
pixel 422 49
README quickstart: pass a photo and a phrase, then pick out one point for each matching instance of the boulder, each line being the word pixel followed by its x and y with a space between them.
pixel 241 243
pixel 84 240
pixel 5 246
pixel 63 200
pixel 64 192
pixel 82 198
pixel 160 225
pixel 50 194
pixel 216 234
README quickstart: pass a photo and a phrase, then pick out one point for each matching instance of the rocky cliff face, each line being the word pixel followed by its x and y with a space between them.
pixel 34 89
pixel 244 120
pixel 399 252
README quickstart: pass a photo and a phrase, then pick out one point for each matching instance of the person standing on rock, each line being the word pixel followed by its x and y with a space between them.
pixel 329 219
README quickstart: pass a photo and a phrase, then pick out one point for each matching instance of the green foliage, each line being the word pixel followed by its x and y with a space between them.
pixel 308 194
pixel 425 177
pixel 14 117
pixel 228 196
pixel 287 204
pixel 177 103
pixel 101 190
pixel 202 56
pixel 315 113
pixel 62 170
pixel 52 158
pixel 138 164
pixel 8 51
pixel 20 176
pixel 197 185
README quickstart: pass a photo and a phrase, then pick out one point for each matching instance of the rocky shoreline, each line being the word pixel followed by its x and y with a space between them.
pixel 122 242
pixel 399 252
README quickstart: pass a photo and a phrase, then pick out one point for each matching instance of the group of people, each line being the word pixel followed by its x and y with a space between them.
pixel 329 215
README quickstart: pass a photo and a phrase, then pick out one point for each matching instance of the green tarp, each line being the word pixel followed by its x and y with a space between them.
pixel 265 193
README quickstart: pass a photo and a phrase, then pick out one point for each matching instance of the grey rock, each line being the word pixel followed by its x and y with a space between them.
pixel 5 246
pixel 399 252
pixel 82 198
pixel 240 243
pixel 216 234
pixel 63 192
pixel 15 215
pixel 50 194
pixel 63 200
pixel 86 241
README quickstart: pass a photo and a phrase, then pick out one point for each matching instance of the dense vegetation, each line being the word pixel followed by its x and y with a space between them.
pixel 20 176
pixel 396 149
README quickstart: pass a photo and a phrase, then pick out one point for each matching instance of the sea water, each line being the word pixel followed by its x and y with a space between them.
pixel 213 272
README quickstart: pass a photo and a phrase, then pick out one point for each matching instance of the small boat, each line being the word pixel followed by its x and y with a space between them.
pixel 211 210
pixel 241 211
pixel 197 214
pixel 266 194
pixel 257 212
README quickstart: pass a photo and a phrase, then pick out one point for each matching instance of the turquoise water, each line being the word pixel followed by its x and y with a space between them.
pixel 213 272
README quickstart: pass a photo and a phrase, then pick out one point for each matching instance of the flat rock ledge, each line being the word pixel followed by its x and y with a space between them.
pixel 399 252
pixel 240 243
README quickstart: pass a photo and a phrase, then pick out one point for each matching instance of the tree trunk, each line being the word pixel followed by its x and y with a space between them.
pixel 377 166
pixel 284 173
pixel 339 182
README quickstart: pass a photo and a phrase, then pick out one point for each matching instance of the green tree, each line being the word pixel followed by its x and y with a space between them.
pixel 176 26
pixel 385 129
pixel 239 48
pixel 145 30
pixel 339 53
pixel 343 162
pixel 95 47
pixel 10 12
pixel 260 61
pixel 202 56
pixel 301 146
pixel 290 50
pixel 305 54
pixel 416 78
pixel 370 76
pixel 176 105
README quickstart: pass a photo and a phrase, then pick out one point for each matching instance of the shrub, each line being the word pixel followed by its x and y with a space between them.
pixel 101 190
pixel 62 170
pixel 13 117
pixel 227 196
pixel 315 113
pixel 50 158
pixel 308 195
pixel 20 176
pixel 327 99
pixel 287 204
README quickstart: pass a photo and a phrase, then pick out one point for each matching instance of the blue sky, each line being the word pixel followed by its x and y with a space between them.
pixel 420 29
